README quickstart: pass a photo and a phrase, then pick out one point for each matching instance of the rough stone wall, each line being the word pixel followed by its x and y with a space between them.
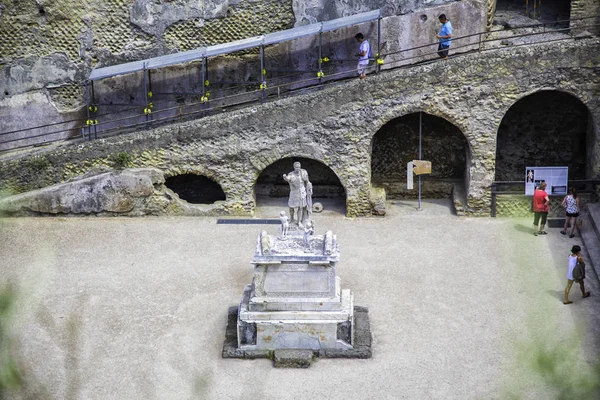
pixel 546 128
pixel 336 125
pixel 47 48
pixel 397 143
pixel 586 8
pixel 519 205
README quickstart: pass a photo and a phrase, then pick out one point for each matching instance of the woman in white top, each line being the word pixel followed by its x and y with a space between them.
pixel 573 258
pixel 571 205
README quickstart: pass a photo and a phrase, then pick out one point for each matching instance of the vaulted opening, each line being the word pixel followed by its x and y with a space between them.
pixel 547 128
pixel 272 189
pixel 397 143
pixel 195 189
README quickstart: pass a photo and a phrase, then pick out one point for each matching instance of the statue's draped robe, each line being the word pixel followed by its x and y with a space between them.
pixel 297 189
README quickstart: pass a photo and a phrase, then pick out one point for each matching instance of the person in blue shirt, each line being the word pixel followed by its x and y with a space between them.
pixel 445 37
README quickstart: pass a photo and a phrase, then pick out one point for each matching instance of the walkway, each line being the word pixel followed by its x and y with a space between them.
pixel 136 308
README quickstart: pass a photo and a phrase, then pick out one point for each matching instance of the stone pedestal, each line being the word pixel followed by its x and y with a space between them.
pixel 296 301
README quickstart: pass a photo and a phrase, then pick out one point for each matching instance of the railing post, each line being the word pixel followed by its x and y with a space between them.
pixel 146 95
pixel 320 61
pixel 263 81
pixel 87 106
pixel 94 102
pixel 493 200
pixel 149 96
pixel 378 44
pixel 203 76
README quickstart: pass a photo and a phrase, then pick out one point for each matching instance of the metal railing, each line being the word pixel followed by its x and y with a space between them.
pixel 277 88
pixel 583 186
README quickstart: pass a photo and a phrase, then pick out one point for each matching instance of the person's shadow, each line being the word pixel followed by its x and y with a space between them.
pixel 559 294
pixel 523 228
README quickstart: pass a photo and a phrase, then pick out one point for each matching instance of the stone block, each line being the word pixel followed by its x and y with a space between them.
pixel 292 358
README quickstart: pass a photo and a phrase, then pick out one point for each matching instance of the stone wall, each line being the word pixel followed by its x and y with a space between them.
pixel 514 205
pixel 544 129
pixel 397 143
pixel 336 125
pixel 48 47
pixel 586 8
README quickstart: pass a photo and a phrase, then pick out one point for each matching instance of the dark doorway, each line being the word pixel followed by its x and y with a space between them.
pixel 270 188
pixel 547 128
pixel 397 143
pixel 195 189
pixel 546 11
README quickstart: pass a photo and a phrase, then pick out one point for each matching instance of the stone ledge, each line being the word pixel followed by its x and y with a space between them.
pixel 292 358
pixel 362 340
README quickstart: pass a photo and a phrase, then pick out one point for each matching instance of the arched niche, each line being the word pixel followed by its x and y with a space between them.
pixel 271 190
pixel 397 142
pixel 546 128
pixel 195 189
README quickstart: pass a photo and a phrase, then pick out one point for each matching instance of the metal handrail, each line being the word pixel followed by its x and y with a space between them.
pixel 312 83
pixel 573 182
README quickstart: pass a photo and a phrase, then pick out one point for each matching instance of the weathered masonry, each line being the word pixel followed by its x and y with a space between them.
pixel 473 132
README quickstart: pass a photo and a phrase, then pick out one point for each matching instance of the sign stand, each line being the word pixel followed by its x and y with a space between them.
pixel 418 167
pixel 420 152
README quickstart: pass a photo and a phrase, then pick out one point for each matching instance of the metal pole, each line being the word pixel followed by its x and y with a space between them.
pixel 94 102
pixel 87 102
pixel 320 61
pixel 203 74
pixel 420 151
pixel 146 94
pixel 207 105
pixel 150 90
pixel 378 43
pixel 493 200
pixel 262 75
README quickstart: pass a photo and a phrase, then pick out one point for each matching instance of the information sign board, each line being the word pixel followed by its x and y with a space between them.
pixel 556 178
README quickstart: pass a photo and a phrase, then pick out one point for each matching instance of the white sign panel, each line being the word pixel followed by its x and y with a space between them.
pixel 556 178
pixel 409 175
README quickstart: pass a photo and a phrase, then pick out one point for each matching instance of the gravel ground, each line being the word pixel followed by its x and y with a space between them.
pixel 460 308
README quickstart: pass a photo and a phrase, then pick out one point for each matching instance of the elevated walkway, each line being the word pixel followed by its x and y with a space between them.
pixel 156 111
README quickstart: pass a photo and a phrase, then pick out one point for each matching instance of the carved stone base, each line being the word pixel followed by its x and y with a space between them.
pixel 360 349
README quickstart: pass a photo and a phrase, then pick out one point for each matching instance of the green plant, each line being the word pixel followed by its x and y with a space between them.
pixel 38 163
pixel 121 159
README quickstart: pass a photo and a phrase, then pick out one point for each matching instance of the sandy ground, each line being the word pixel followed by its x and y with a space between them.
pixel 460 308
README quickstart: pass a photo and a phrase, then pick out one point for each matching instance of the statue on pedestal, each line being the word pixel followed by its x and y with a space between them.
pixel 300 194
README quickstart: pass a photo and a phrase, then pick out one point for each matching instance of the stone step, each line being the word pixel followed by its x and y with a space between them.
pixel 292 358
pixel 590 236
pixel 594 214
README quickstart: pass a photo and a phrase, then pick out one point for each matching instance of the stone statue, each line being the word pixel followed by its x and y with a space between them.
pixel 299 197
pixel 309 230
pixel 285 223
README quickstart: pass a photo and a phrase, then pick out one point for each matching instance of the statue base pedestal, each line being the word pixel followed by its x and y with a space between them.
pixel 296 302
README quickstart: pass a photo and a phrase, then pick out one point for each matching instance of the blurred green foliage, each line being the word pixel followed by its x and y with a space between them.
pixel 10 376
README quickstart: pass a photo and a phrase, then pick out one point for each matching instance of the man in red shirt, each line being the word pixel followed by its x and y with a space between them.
pixel 540 208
